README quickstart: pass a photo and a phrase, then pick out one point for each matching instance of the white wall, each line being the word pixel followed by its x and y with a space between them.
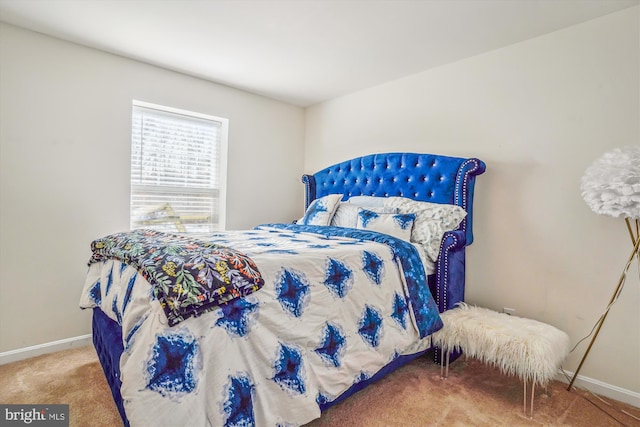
pixel 538 113
pixel 64 168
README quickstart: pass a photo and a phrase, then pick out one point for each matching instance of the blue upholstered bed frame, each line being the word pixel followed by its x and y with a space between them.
pixel 423 177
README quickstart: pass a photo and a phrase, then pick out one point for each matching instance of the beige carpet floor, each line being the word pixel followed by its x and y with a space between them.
pixel 415 395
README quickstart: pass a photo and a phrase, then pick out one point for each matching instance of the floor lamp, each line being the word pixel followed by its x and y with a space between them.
pixel 611 186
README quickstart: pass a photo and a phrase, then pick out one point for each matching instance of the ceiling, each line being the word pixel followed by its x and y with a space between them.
pixel 302 52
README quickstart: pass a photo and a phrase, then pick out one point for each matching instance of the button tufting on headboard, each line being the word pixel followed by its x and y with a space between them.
pixel 425 177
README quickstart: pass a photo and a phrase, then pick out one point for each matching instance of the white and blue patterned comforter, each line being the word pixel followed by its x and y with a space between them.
pixel 333 311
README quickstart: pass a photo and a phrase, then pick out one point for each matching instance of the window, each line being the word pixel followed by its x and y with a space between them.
pixel 178 169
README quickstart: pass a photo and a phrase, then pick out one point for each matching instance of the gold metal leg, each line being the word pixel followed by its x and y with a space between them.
pixel 533 393
pixel 636 242
pixel 447 370
pixel 444 360
pixel 633 236
pixel 524 398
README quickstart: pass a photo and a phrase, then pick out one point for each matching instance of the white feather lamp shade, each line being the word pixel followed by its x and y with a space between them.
pixel 611 185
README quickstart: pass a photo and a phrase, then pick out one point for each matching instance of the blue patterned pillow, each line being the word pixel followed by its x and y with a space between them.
pixel 321 210
pixel 396 225
pixel 347 214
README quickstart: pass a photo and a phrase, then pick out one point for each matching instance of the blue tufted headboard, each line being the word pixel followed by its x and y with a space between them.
pixel 423 177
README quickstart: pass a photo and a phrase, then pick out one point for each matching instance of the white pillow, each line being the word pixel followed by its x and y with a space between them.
pixel 432 220
pixel 347 214
pixel 367 201
pixel 321 210
pixel 396 225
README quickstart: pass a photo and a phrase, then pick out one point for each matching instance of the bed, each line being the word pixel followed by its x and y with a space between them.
pixel 294 317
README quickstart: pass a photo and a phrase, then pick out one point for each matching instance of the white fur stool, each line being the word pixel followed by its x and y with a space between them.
pixel 527 348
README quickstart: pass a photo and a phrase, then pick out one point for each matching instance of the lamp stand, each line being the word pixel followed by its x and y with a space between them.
pixel 635 240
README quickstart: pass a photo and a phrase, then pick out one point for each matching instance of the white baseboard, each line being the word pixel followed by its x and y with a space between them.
pixel 603 389
pixel 40 349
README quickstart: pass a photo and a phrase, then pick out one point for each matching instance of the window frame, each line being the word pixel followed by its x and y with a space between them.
pixel 223 155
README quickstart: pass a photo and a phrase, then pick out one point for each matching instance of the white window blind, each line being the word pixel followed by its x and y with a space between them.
pixel 178 161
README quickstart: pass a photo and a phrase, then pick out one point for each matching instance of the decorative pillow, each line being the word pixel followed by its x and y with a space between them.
pixel 396 225
pixel 321 210
pixel 347 214
pixel 432 220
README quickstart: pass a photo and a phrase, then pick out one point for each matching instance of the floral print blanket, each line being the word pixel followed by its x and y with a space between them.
pixel 189 276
